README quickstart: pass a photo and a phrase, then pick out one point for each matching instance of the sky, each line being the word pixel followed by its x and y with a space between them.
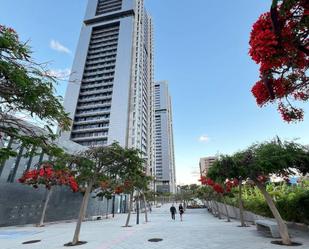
pixel 201 49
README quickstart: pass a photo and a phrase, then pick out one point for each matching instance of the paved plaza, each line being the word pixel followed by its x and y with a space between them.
pixel 198 230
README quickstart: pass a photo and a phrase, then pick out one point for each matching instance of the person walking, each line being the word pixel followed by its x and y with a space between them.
pixel 173 211
pixel 181 210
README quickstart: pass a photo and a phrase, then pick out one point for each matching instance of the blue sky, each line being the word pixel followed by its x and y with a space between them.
pixel 201 48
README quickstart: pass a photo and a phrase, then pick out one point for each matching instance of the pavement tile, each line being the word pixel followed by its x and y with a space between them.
pixel 199 230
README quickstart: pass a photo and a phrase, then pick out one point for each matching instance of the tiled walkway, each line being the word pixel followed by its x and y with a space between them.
pixel 198 230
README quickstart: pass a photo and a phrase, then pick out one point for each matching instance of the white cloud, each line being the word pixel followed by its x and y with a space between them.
pixel 55 45
pixel 203 138
pixel 60 73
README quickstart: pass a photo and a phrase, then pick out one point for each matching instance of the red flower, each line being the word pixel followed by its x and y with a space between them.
pixel 203 180
pixel 235 182
pixel 210 182
pixel 260 93
pixel 290 114
pixel 282 58
pixel 119 190
pixel 262 178
pixel 218 188
pixel 41 172
pixel 228 189
pixel 49 177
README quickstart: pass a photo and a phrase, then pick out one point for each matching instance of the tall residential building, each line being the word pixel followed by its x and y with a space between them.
pixel 164 143
pixel 109 96
pixel 205 164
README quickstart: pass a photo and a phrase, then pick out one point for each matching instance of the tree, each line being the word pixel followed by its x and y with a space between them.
pixel 279 44
pixel 106 189
pixel 26 88
pixel 274 158
pixel 188 192
pixel 92 167
pixel 220 189
pixel 228 169
pixel 141 187
pixel 109 187
pixel 130 171
pixel 48 174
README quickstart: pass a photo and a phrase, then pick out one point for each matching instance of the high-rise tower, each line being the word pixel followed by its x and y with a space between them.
pixel 109 95
pixel 164 142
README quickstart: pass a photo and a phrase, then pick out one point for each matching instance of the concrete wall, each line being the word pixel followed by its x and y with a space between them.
pixel 251 217
pixel 234 213
pixel 21 204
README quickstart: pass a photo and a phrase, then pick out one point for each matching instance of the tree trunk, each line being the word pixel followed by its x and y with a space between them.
pixel 82 212
pixel 226 210
pixel 218 210
pixel 106 214
pixel 48 194
pixel 145 203
pixel 241 207
pixel 125 204
pixel 121 204
pixel 214 208
pixel 137 209
pixel 113 206
pixel 283 230
pixel 130 208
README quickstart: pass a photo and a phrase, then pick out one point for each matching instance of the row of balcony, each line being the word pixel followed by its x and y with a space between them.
pixel 98 84
pixel 91 79
pixel 93 121
pixel 102 55
pixel 90 114
pixel 100 40
pixel 103 45
pixel 99 72
pixel 100 65
pixel 96 90
pixel 95 61
pixel 85 107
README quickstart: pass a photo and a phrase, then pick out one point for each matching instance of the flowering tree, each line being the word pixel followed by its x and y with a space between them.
pixel 221 190
pixel 108 188
pixel 49 176
pixel 260 161
pixel 279 44
pixel 228 169
pixel 130 173
pixel 92 167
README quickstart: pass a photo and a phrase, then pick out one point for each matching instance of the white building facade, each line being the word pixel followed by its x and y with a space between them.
pixel 110 91
pixel 205 164
pixel 165 175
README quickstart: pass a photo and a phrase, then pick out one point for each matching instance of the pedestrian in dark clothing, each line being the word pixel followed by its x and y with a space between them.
pixel 173 211
pixel 181 211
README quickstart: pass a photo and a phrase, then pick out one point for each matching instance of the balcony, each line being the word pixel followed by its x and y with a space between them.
pixel 91 121
pixel 90 114
pixel 93 106
pixel 80 139
pixel 96 91
pixel 98 72
pixel 82 130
